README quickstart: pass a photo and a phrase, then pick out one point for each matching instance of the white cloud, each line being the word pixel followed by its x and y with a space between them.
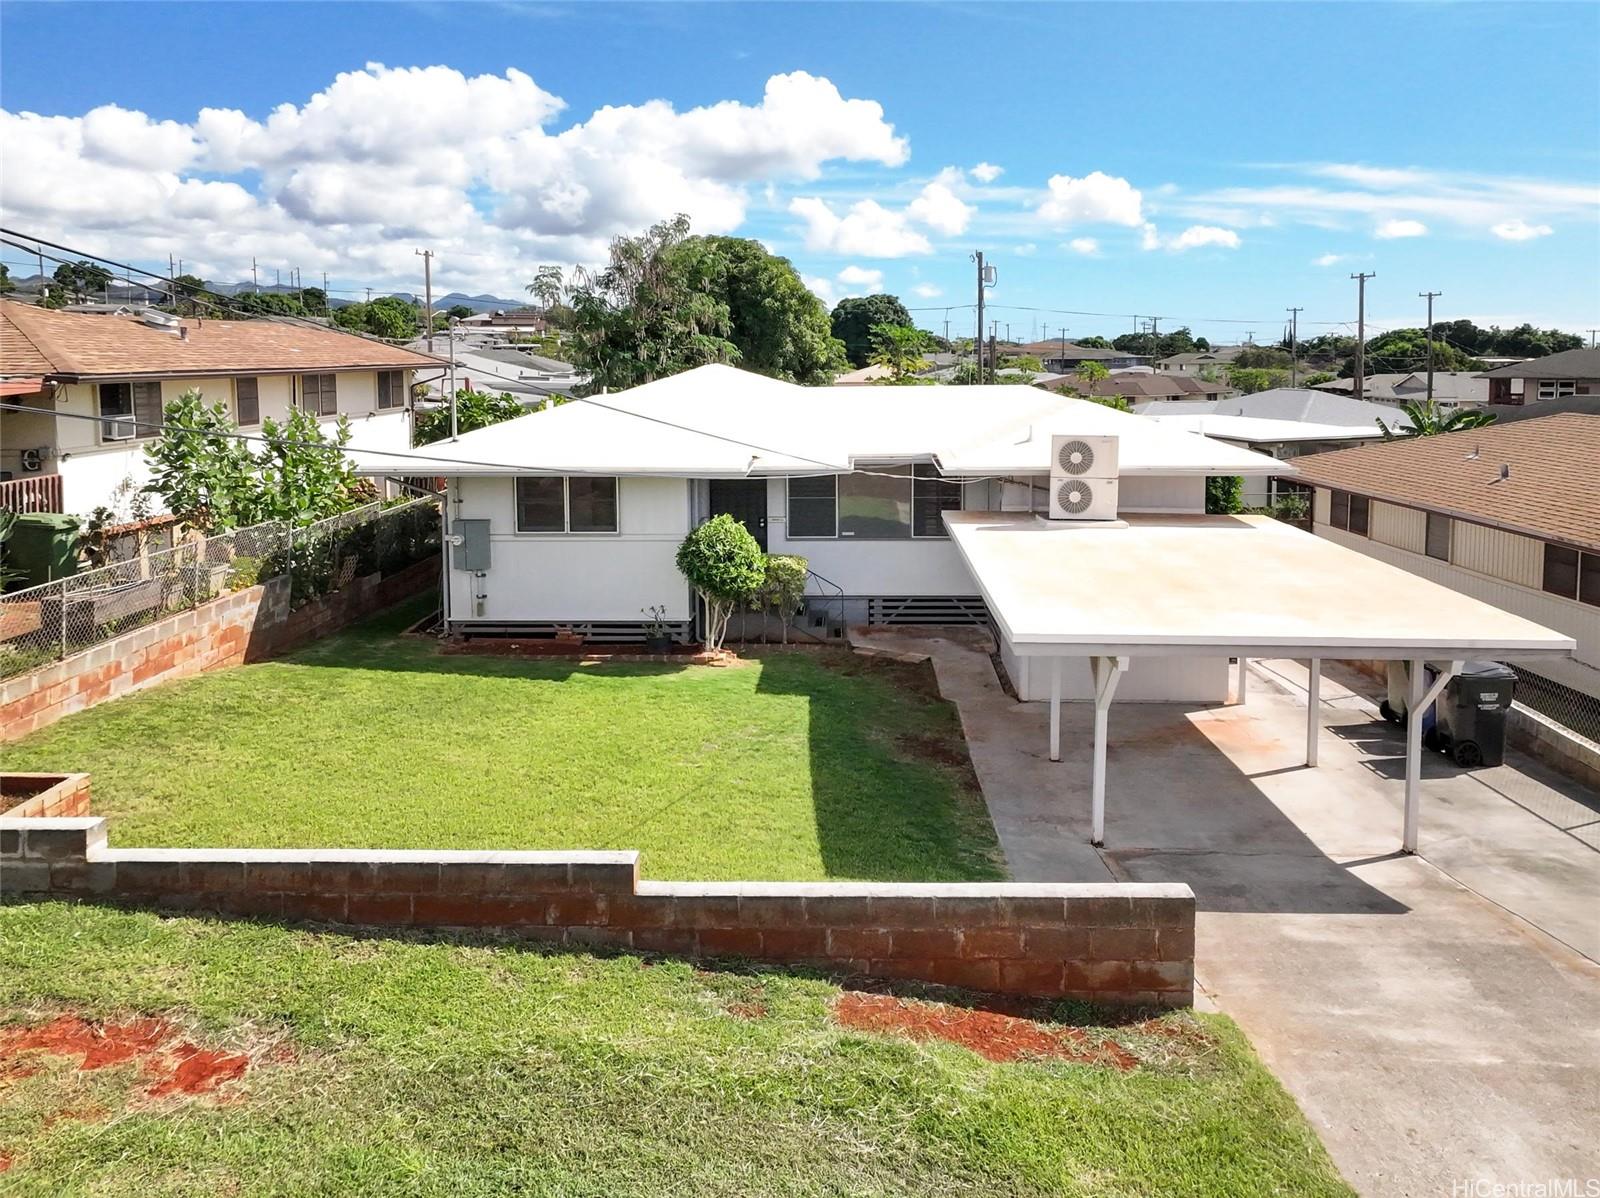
pixel 987 172
pixel 1194 237
pixel 822 288
pixel 1518 229
pixel 1097 198
pixel 940 209
pixel 1026 250
pixel 859 280
pixel 1391 229
pixel 1327 260
pixel 1087 246
pixel 476 166
pixel 867 229
pixel 927 291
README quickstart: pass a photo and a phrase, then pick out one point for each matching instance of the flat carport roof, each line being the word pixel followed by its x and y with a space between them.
pixel 1224 586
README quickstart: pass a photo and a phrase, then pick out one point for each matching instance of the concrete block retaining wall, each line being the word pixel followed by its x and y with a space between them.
pixel 1111 943
pixel 247 625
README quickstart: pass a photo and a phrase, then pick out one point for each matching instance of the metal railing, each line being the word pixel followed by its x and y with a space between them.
pixel 32 493
pixel 47 623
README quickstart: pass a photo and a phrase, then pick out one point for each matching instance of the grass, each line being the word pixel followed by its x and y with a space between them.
pixel 795 766
pixel 461 1068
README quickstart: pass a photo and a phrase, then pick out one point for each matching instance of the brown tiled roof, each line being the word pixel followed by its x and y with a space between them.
pixel 75 345
pixel 18 354
pixel 1551 492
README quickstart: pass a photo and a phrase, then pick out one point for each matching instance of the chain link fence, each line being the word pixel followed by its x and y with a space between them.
pixel 47 623
pixel 1573 709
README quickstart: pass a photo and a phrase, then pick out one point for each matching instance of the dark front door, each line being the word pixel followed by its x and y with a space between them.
pixel 745 499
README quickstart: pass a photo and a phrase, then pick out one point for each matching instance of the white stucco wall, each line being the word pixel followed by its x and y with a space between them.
pixel 91 470
pixel 562 577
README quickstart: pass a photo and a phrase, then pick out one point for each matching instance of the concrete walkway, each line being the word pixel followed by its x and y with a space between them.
pixel 1434 1031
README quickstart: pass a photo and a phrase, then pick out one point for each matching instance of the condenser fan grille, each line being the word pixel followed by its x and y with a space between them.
pixel 1075 457
pixel 1074 498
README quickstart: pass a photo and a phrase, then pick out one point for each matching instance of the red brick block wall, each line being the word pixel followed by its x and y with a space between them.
pixel 248 625
pixel 1113 943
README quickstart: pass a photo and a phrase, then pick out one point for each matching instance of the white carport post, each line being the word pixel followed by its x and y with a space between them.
pixel 1239 695
pixel 1107 671
pixel 1313 702
pixel 1055 709
pixel 1418 699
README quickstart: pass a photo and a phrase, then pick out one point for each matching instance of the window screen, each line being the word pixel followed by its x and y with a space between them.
pixel 931 495
pixel 147 408
pixel 247 401
pixel 541 505
pixel 1589 579
pixel 876 506
pixel 319 394
pixel 814 506
pixel 1561 571
pixel 1339 509
pixel 116 412
pixel 593 504
pixel 391 389
pixel 1360 513
pixel 1438 536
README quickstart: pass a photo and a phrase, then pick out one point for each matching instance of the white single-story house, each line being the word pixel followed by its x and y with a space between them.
pixel 1077 531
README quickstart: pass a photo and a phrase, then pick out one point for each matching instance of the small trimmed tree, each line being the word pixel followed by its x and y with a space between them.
pixel 725 566
pixel 782 589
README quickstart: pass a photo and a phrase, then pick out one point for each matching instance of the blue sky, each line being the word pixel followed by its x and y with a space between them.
pixel 1207 163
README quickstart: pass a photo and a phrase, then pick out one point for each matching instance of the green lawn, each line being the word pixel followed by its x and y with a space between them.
pixel 400 1067
pixel 796 766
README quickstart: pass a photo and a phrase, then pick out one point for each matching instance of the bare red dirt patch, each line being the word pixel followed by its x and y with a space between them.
pixel 990 1034
pixel 169 1063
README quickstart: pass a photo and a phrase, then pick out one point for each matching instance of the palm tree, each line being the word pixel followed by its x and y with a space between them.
pixel 1089 373
pixel 1428 420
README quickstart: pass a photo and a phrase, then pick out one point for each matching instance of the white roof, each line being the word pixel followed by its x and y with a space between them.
pixel 717 421
pixel 1258 430
pixel 1173 585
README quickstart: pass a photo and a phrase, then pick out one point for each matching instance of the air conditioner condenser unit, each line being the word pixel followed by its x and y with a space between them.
pixel 1083 477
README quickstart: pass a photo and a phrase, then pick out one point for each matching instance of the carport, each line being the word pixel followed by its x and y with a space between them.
pixel 1223 586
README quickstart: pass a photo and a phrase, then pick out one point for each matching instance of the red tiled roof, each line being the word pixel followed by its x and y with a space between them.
pixel 37 340
pixel 1551 490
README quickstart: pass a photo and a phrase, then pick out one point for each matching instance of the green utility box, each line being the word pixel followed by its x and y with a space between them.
pixel 43 546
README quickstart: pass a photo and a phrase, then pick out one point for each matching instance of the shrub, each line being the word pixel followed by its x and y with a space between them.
pixel 782 588
pixel 725 567
pixel 1224 494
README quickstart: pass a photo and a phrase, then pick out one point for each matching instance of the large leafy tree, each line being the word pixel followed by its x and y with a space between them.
pixel 667 302
pixel 388 316
pixel 899 347
pixel 775 322
pixel 1429 420
pixel 1402 351
pixel 1524 341
pixel 1162 345
pixel 853 320
pixel 82 278
pixel 474 409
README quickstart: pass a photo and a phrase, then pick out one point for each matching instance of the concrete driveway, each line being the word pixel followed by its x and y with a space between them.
pixel 1437 1017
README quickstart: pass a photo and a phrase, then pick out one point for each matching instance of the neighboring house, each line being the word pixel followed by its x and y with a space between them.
pixel 1537 380
pixel 96 386
pixel 1218 359
pixel 506 322
pixel 1451 388
pixel 494 366
pixel 1284 423
pixel 1062 357
pixel 1509 514
pixel 864 377
pixel 1134 387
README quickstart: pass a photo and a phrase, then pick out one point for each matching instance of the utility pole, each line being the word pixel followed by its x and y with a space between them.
pixel 300 288
pixel 1429 296
pixel 254 285
pixel 172 280
pixel 1294 341
pixel 986 278
pixel 427 288
pixel 369 295
pixel 1361 332
pixel 277 279
pixel 1592 332
pixel 1063 345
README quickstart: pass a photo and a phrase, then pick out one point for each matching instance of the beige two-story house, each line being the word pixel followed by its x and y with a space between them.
pixel 95 385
